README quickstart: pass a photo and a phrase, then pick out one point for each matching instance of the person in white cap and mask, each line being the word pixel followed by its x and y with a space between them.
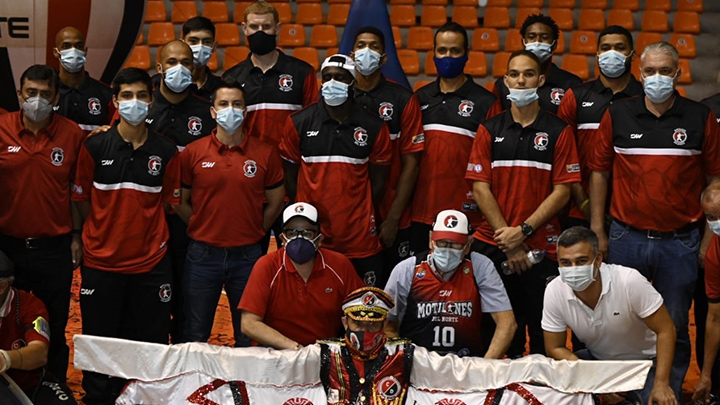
pixel 439 301
pixel 294 295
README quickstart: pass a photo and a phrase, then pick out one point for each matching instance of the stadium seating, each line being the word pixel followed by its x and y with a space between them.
pixel 239 12
pixel 500 64
pixel 601 4
pixel 577 64
pixel 563 18
pixel 663 5
pixel 217 12
pixel 403 16
pixel 324 36
pixel 397 36
pixel 227 34
pixel 562 3
pixel 685 44
pixel 523 13
pixel 632 5
pixel 690 5
pixel 337 14
pixel 155 11
pixel 183 10
pixel 476 65
pixel 409 61
pixel 430 69
pixel 530 3
pixel 654 21
pixel 644 39
pixel 139 58
pixel 309 14
pixel 513 40
pixel 496 17
pixel 234 55
pixel 161 33
pixel 591 19
pixel 583 42
pixel 621 17
pixel 686 21
pixel 486 39
pixel 420 38
pixel 291 35
pixel 434 16
pixel 308 54
pixel 465 16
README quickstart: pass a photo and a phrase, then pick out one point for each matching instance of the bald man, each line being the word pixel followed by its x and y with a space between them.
pixel 83 99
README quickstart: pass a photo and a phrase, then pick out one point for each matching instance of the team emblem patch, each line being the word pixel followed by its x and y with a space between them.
pixel 94 106
pixel 679 136
pixel 360 136
pixel 300 208
pixel 298 401
pixel 386 111
pixel 369 299
pixel 165 293
pixel 57 155
pixel 541 141
pixel 404 249
pixel 573 168
pixel 250 168
pixel 420 138
pixel 448 401
pixel 154 165
pixel 369 279
pixel 556 95
pixel 285 82
pixel 194 126
pixel 466 108
pixel 451 221
pixel 420 274
pixel 389 388
pixel 474 168
pixel 466 270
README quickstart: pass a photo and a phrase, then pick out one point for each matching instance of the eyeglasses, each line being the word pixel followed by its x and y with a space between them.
pixel 445 244
pixel 305 233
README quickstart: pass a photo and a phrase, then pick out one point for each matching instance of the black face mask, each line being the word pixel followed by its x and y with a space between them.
pixel 261 43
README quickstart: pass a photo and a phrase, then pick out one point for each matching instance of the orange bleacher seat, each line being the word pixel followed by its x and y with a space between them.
pixel 486 39
pixel 182 11
pixel 435 2
pixel 466 16
pixel 513 40
pixel 158 54
pixel 473 3
pixel 621 17
pixel 234 55
pixel 139 58
pixel 530 3
pixel 685 76
pixel 309 14
pixel 500 62
pixel 284 12
pixel 523 13
pixel 583 42
pixel 216 11
pixel 430 69
pixel 160 33
pixel 681 90
pixel 308 54
pixel 496 17
pixel 496 3
pixel 140 39
pixel 632 5
pixel 435 16
pixel 397 37
pixel 644 39
pixel 563 18
pixel 601 4
pixel 239 12
pixel 213 62
pixel 476 64
pixel 394 2
pixel 337 14
pixel 420 38
pixel 155 11
pixel 685 44
pixel 635 67
pixel 323 36
pixel 421 83
pixel 690 5
pixel 409 61
pixel 591 19
pixel 686 21
pixel 654 21
pixel 562 3
pixel 339 1
pixel 227 34
pixel 291 35
pixel 330 52
pixel 663 5
pixel 577 64
pixel 560 48
pixel 403 16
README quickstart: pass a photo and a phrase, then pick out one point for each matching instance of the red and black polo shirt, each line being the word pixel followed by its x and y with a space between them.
pixel 272 96
pixel 450 121
pixel 37 173
pixel 334 160
pixel 522 165
pixel 714 103
pixel 399 108
pixel 659 164
pixel 557 82
pixel 227 189
pixel 182 123
pixel 89 105
pixel 126 231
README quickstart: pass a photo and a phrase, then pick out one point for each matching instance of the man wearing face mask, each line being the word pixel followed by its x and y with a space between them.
pixel 125 176
pixel 366 367
pixel 294 294
pixel 452 108
pixel 522 163
pixel 83 99
pixel 336 157
pixel 614 310
pixel 662 149
pixel 540 35
pixel 584 105
pixel 226 177
pixel 399 107
pixel 464 289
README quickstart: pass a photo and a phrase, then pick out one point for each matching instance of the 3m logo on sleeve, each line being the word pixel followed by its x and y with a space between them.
pixel 573 168
pixel 41 326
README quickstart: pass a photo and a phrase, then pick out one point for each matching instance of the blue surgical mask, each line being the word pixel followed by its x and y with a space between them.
pixel 178 78
pixel 578 278
pixel 542 50
pixel 714 226
pixel 72 59
pixel 659 88
pixel 133 111
pixel 612 63
pixel 522 97
pixel 449 67
pixel 447 259
pixel 230 119
pixel 201 54
pixel 334 92
pixel 367 61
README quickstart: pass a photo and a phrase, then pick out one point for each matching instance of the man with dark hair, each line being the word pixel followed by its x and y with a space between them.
pixel 540 35
pixel 226 177
pixel 399 108
pixel 83 99
pixel 584 105
pixel 522 163
pixel 37 161
pixel 125 176
pixel 452 108
pixel 614 310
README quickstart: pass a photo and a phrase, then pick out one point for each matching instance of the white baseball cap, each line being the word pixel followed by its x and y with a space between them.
pixel 341 61
pixel 300 209
pixel 451 225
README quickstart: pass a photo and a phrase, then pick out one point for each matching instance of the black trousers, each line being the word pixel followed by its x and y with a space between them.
pixel 178 244
pixel 47 272
pixel 128 306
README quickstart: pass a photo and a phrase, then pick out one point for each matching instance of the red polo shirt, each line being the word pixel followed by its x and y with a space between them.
pixel 712 270
pixel 37 171
pixel 227 188
pixel 302 311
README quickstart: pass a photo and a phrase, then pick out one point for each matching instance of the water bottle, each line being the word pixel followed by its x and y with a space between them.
pixel 535 256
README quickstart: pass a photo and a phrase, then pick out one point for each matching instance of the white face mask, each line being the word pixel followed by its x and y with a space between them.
pixel 367 61
pixel 522 97
pixel 714 226
pixel 37 109
pixel 178 78
pixel 659 88
pixel 542 50
pixel 578 278
pixel 133 111
pixel 447 259
pixel 334 92
pixel 73 59
pixel 201 54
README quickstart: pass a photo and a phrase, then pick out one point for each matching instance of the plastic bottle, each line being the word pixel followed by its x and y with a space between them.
pixel 535 256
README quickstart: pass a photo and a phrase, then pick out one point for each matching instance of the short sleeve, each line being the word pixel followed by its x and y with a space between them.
pixel 479 166
pixel 643 297
pixel 552 318
pixel 398 287
pixel 84 175
pixel 171 181
pixel 382 148
pixel 34 318
pixel 290 143
pixel 256 296
pixel 274 175
pixel 310 88
pixel 566 164
pixel 602 155
pixel 493 295
pixel 568 109
pixel 412 138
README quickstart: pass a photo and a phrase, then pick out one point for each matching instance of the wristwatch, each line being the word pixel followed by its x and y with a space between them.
pixel 527 230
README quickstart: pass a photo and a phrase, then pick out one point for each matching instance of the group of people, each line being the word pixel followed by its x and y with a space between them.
pixel 463 204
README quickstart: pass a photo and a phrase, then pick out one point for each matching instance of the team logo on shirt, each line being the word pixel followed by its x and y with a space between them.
pixel 473 168
pixel 404 249
pixel 94 106
pixel 386 111
pixel 298 401
pixel 447 401
pixel 250 168
pixel 451 221
pixel 194 126
pixel 541 141
pixel 556 95
pixel 154 165
pixel 361 137
pixel 57 155
pixel 369 278
pixel 466 108
pixel 389 388
pixel 165 293
pixel 285 82
pixel 679 136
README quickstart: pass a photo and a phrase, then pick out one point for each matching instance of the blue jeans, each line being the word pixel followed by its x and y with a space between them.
pixel 671 265
pixel 631 397
pixel 207 270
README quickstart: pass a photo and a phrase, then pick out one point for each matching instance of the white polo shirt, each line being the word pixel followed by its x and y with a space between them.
pixel 614 329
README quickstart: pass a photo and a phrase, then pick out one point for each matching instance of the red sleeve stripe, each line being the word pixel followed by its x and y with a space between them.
pixel 448 128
